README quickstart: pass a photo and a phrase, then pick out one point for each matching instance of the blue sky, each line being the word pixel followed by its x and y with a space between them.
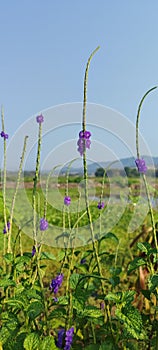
pixel 45 46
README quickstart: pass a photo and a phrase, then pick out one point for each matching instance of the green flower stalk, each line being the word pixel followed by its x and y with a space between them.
pixel 142 167
pixel 4 179
pixel 15 193
pixel 84 137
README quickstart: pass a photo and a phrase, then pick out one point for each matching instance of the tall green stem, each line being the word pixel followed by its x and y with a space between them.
pixel 15 193
pixel 144 177
pixel 4 180
pixel 95 250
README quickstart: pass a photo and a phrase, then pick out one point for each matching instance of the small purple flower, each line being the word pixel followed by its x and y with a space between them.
pixel 140 163
pixel 6 136
pixel 100 205
pixel 67 200
pixel 33 250
pixel 55 299
pixel 43 224
pixel 83 141
pixel 59 342
pixel 84 134
pixel 8 226
pixel 56 283
pixel 68 338
pixel 83 261
pixel 40 119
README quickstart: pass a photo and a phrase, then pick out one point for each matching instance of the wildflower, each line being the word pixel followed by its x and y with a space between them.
pixel 55 299
pixel 84 134
pixel 83 261
pixel 56 283
pixel 100 205
pixel 8 226
pixel 67 200
pixel 84 141
pixel 40 119
pixel 68 338
pixel 43 224
pixel 59 342
pixel 33 250
pixel 3 134
pixel 140 163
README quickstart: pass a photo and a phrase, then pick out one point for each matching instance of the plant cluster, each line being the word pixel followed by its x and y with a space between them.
pixel 91 302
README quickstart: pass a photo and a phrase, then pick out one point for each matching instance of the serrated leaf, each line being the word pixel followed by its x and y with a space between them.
pixel 31 342
pixel 113 297
pixel 35 309
pixel 18 303
pixel 138 261
pixel 47 255
pixel 48 343
pixel 132 321
pixel 92 312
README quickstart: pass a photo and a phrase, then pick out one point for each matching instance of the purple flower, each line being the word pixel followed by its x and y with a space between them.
pixel 43 224
pixel 56 283
pixel 83 141
pixel 68 338
pixel 100 205
pixel 6 136
pixel 8 226
pixel 55 299
pixel 84 134
pixel 140 163
pixel 33 250
pixel 59 342
pixel 40 119
pixel 67 200
pixel 83 261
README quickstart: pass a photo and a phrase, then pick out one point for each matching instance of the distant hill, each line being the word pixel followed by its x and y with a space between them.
pixel 124 162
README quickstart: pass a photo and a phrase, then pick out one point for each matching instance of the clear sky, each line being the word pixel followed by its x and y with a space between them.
pixel 45 46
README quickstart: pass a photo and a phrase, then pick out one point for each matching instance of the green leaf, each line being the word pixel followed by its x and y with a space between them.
pixel 107 346
pixel 138 261
pixel 31 342
pixel 92 347
pixel 9 328
pixel 110 235
pixel 132 321
pixel 57 313
pixel 47 255
pixel 153 283
pixel 8 258
pixel 144 247
pixel 74 280
pixel 35 309
pixel 61 255
pixel 113 297
pixel 48 343
pixel 92 312
pixel 6 282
